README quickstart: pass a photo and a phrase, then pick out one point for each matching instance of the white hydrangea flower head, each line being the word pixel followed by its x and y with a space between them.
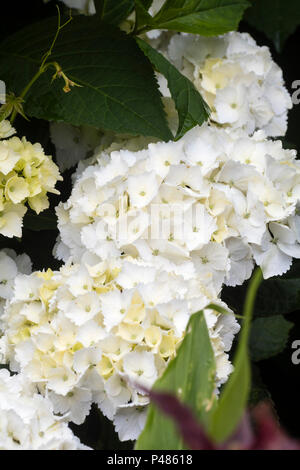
pixel 92 331
pixel 201 205
pixel 27 421
pixel 26 176
pixel 239 80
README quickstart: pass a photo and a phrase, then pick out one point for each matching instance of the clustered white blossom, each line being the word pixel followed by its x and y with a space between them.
pixel 26 175
pixel 238 79
pixel 224 199
pixel 27 421
pixel 234 196
pixel 92 331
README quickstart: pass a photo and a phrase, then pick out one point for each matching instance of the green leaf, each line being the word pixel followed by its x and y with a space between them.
pixel 278 296
pixel 269 336
pixel 118 89
pixel 191 107
pixel 142 15
pixel 234 396
pixel 278 19
pixel 294 271
pixel 47 220
pixel 146 3
pixel 259 391
pixel 205 17
pixel 112 11
pixel 191 377
pixel 275 297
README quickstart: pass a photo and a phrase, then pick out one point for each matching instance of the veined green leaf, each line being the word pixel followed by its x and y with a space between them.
pixel 192 109
pixel 142 15
pixel 269 336
pixel 112 11
pixel 276 296
pixel 118 89
pixel 205 17
pixel 278 19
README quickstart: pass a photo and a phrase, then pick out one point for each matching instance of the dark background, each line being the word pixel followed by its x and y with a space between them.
pixel 277 374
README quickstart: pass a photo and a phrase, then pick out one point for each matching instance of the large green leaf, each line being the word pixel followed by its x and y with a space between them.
pixel 142 15
pixel 146 3
pixel 278 19
pixel 118 89
pixel 294 271
pixel 275 297
pixel 259 391
pixel 191 107
pixel 278 296
pixel 234 397
pixel 268 336
pixel 112 11
pixel 206 17
pixel 191 377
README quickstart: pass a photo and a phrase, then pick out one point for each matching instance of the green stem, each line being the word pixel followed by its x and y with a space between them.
pixel 254 284
pixel 137 32
pixel 234 397
pixel 40 71
pixel 59 27
pixel 43 67
pixel 24 92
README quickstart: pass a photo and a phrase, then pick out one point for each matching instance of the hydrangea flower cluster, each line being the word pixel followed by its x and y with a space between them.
pixel 239 80
pixel 27 421
pixel 26 175
pixel 92 331
pixel 211 204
